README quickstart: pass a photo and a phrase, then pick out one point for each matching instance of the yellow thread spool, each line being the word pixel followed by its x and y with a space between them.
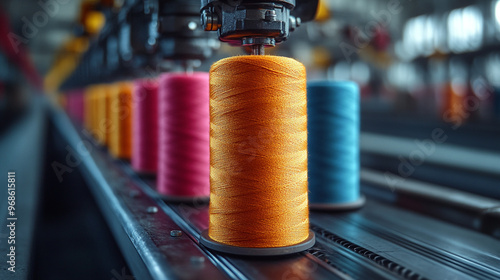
pixel 121 120
pixel 101 120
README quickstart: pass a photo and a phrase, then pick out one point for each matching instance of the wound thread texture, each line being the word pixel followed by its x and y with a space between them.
pixel 95 114
pixel 99 129
pixel 107 124
pixel 120 142
pixel 145 126
pixel 88 107
pixel 91 110
pixel 333 112
pixel 258 152
pixel 183 147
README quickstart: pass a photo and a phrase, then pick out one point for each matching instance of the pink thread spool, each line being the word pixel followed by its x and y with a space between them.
pixel 67 104
pixel 145 126
pixel 77 105
pixel 74 105
pixel 184 134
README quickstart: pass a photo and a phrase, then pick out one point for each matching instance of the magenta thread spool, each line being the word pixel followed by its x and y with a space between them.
pixel 145 126
pixel 184 128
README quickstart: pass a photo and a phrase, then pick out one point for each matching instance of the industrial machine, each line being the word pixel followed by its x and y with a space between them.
pixel 255 24
pixel 432 210
pixel 143 39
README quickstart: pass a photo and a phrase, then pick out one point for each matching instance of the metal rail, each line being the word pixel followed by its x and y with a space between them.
pixel 379 241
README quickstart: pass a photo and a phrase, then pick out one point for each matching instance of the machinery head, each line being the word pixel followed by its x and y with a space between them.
pixel 253 23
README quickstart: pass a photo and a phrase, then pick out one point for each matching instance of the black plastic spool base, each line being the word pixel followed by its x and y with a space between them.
pixel 185 199
pixel 208 242
pixel 339 206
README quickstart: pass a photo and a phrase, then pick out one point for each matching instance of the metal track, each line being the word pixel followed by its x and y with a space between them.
pixel 379 241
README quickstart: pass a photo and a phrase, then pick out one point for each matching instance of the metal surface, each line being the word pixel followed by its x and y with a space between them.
pixel 21 150
pixel 246 23
pixel 258 49
pixel 339 206
pixel 429 248
pixel 181 37
pixel 379 241
pixel 143 235
pixel 463 158
pixel 455 206
pixel 142 39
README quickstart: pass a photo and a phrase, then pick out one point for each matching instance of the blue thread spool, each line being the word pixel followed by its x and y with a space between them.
pixel 333 145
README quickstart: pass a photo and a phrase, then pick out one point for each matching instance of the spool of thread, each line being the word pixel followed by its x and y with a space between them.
pixel 107 125
pixel 95 114
pixel 145 126
pixel 92 111
pixel 120 142
pixel 453 103
pixel 88 109
pixel 258 157
pixel 101 121
pixel 76 105
pixel 183 147
pixel 333 125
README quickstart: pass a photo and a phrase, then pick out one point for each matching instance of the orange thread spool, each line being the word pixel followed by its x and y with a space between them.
pixel 101 116
pixel 106 124
pixel 111 125
pixel 453 107
pixel 94 112
pixel 88 109
pixel 121 120
pixel 258 155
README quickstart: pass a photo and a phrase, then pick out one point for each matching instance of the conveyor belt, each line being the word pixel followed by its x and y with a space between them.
pixel 380 241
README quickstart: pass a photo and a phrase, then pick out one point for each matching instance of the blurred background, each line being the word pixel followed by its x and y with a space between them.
pixel 426 69
pixel 422 58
